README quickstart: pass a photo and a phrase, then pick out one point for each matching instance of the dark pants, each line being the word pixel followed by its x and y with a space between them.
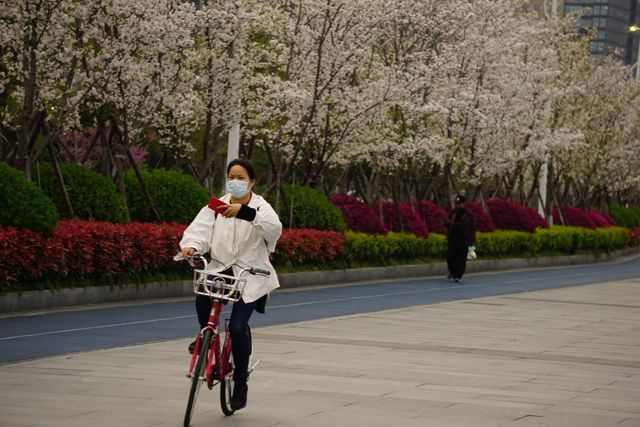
pixel 239 329
pixel 457 256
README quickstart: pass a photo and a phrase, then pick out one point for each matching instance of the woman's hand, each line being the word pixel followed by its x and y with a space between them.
pixel 187 252
pixel 231 210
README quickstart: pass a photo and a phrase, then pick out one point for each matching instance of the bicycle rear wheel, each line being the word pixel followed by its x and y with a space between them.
pixel 197 376
pixel 227 384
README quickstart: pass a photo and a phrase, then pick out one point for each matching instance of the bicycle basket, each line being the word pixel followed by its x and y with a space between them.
pixel 218 285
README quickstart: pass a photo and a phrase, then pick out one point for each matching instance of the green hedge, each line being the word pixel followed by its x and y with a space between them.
pixel 92 195
pixel 23 204
pixel 625 217
pixel 361 247
pixel 310 208
pixel 571 240
pixel 178 197
pixel 504 242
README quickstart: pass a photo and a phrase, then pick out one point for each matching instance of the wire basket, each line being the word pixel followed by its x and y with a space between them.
pixel 217 285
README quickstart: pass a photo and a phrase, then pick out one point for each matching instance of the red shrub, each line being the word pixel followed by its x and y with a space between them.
pixel 80 247
pixel 27 254
pixel 300 245
pixel 574 216
pixel 76 238
pixel 161 240
pixel 534 217
pixel 510 215
pixel 402 218
pixel 483 220
pixel 634 237
pixel 14 261
pixel 358 215
pixel 600 219
pixel 432 215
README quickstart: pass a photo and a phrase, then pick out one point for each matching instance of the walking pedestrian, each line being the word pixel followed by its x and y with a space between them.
pixel 461 233
pixel 243 230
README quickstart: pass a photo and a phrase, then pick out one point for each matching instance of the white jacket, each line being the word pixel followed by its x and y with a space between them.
pixel 233 240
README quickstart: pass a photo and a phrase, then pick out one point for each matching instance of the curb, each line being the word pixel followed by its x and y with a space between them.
pixel 59 298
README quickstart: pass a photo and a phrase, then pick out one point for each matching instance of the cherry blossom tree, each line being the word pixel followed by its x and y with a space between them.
pixel 316 81
pixel 400 99
pixel 41 83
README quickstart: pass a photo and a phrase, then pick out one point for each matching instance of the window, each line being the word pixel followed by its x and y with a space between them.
pixel 600 22
pixel 578 8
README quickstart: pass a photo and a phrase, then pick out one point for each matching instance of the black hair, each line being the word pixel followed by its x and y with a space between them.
pixel 246 164
pixel 461 198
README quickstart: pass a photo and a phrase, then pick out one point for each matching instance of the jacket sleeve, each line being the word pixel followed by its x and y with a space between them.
pixel 198 234
pixel 268 225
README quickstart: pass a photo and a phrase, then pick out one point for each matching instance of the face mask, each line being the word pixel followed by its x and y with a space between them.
pixel 237 188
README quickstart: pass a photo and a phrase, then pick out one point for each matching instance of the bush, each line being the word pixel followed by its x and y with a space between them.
pixel 600 219
pixel 575 217
pixel 535 218
pixel 178 197
pixel 557 239
pixel 39 255
pixel 299 246
pixel 633 238
pixel 432 215
pixel 310 209
pixel 483 219
pixel 610 239
pixel 23 204
pixel 625 217
pixel 89 248
pixel 92 196
pixel 369 248
pixel 509 215
pixel 401 218
pixel 505 243
pixel 571 240
pixel 358 215
pixel 93 249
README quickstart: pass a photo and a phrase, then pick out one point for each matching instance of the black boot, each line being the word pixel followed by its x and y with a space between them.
pixel 239 397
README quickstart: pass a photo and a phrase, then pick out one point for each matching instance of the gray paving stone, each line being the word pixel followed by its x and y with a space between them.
pixel 561 357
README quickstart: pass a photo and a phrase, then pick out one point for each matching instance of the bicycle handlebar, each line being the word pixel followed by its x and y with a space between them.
pixel 259 271
pixel 199 257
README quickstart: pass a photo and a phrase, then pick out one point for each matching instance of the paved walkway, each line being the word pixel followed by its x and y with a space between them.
pixel 562 357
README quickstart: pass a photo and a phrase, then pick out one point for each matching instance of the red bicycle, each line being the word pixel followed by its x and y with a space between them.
pixel 210 362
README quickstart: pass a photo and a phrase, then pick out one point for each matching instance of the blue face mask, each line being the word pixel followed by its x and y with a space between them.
pixel 237 188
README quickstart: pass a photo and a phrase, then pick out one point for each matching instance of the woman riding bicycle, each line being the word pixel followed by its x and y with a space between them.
pixel 245 231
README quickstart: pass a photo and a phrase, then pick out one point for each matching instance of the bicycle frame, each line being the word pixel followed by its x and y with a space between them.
pixel 218 359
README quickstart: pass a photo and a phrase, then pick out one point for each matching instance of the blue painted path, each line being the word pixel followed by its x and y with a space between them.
pixel 26 337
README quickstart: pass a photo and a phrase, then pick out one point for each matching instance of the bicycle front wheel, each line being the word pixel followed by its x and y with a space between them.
pixel 197 376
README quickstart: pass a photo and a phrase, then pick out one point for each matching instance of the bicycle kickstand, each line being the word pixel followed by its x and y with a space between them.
pixel 251 368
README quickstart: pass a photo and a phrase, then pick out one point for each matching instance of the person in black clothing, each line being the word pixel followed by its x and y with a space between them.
pixel 461 233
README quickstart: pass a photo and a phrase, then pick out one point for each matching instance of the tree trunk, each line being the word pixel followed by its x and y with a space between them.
pixel 60 179
pixel 143 186
pixel 124 141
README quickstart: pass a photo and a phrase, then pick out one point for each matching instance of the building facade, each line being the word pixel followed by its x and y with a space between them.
pixel 612 20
